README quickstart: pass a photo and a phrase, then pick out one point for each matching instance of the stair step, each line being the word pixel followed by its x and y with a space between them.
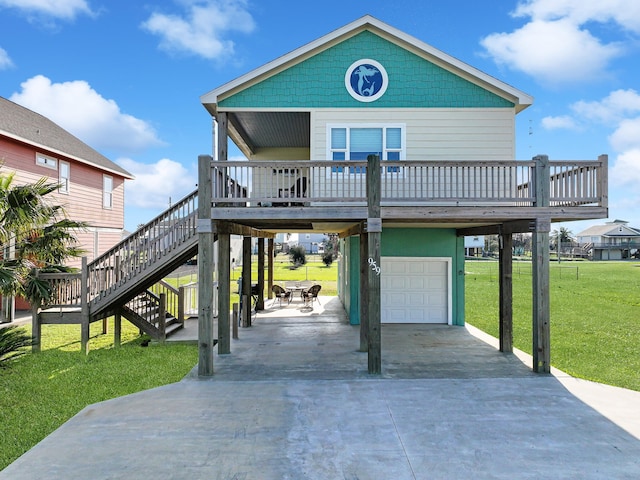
pixel 173 328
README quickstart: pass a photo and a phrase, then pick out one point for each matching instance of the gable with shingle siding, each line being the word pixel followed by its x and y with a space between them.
pixel 317 82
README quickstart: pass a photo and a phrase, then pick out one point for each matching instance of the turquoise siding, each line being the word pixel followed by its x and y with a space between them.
pixel 409 242
pixel 318 82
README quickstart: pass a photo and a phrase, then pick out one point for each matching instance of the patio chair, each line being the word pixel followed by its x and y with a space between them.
pixel 281 293
pixel 312 294
pixel 297 190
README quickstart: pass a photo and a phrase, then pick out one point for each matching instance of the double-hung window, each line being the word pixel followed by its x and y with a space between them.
pixel 64 175
pixel 357 142
pixel 107 191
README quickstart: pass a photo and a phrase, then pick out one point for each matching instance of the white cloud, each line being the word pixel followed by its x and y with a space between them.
pixel 5 59
pixel 563 122
pixel 156 183
pixel 627 135
pixel 61 9
pixel 554 52
pixel 622 12
pixel 614 107
pixel 81 110
pixel 203 27
pixel 556 46
pixel 626 170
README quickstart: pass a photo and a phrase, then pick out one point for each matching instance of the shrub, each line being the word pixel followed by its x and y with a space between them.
pixel 298 255
pixel 13 341
pixel 327 258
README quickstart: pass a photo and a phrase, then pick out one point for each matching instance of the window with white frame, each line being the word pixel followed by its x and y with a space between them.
pixel 107 191
pixel 64 175
pixel 46 161
pixel 356 142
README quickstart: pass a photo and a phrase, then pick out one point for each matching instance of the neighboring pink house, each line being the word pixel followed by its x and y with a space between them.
pixel 92 186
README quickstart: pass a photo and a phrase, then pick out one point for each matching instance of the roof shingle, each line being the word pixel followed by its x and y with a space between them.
pixel 30 127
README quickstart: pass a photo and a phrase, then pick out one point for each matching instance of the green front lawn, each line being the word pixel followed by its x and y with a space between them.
pixel 595 315
pixel 40 392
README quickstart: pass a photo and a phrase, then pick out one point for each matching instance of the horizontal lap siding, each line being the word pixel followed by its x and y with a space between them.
pixel 84 201
pixel 94 242
pixel 265 183
pixel 431 134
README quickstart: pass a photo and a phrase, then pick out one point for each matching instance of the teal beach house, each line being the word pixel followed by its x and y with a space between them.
pixel 401 150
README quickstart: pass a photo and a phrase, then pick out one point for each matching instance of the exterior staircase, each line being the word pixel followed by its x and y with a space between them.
pixel 148 312
pixel 127 279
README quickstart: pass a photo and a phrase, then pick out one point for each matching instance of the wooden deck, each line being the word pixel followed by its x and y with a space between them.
pixel 464 193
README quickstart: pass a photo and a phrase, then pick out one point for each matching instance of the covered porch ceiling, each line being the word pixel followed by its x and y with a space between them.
pixel 252 131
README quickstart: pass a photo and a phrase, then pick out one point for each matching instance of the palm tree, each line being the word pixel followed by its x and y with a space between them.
pixel 33 235
pixel 561 237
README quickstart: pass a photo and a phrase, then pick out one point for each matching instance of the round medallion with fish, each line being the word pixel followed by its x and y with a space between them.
pixel 366 80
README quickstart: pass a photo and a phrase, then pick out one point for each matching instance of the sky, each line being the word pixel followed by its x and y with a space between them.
pixel 126 76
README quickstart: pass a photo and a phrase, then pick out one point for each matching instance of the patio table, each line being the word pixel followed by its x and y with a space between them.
pixel 297 287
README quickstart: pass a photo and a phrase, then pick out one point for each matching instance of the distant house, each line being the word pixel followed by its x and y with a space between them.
pixel 311 241
pixel 91 186
pixel 473 246
pixel 614 240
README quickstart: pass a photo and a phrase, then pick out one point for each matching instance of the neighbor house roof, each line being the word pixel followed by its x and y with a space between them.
pixel 520 99
pixel 610 229
pixel 27 126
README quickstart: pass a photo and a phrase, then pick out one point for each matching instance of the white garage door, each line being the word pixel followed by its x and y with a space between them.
pixel 415 290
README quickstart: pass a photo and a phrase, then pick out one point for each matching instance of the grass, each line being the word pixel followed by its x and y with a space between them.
pixel 38 393
pixel 595 315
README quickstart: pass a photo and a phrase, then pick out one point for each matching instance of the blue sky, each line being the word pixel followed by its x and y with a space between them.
pixel 126 76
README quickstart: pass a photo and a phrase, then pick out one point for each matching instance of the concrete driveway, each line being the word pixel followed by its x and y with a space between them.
pixel 294 401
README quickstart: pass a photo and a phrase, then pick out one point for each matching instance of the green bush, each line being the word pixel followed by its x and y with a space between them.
pixel 298 255
pixel 327 258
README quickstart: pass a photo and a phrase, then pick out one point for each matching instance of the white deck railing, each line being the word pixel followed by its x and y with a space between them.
pixel 309 183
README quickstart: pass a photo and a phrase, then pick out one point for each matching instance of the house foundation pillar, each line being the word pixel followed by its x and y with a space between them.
pixel 224 290
pixel 374 232
pixel 270 256
pixel 506 292
pixel 540 270
pixel 245 310
pixel 260 301
pixel 205 268
pixel 364 292
pixel 541 305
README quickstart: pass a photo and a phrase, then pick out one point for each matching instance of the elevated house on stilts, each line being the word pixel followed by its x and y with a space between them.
pixel 402 150
pixel 399 148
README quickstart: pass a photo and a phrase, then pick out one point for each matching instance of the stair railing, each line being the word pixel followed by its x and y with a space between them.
pixel 174 299
pixel 150 309
pixel 143 248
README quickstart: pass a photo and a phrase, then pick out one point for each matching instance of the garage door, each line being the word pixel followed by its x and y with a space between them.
pixel 415 290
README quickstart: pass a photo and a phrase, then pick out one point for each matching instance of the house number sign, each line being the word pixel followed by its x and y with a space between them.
pixel 374 266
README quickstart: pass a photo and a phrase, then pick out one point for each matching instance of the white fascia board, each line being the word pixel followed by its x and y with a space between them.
pixel 65 155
